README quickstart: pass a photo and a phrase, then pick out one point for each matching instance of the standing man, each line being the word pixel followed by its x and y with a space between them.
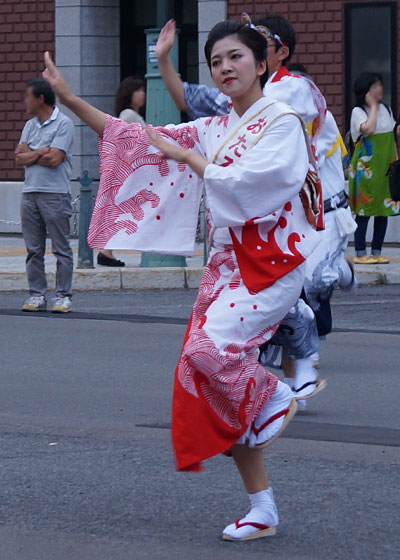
pixel 45 152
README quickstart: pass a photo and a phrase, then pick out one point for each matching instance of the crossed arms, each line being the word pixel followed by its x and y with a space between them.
pixel 48 157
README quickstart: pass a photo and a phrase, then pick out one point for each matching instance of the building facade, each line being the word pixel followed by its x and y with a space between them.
pixel 98 42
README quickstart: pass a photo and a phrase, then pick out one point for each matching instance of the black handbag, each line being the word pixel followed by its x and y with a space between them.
pixel 394 180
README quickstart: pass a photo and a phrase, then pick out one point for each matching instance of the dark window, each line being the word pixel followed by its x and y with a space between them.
pixel 138 15
pixel 370 29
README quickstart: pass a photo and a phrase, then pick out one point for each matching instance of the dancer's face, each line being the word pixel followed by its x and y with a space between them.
pixel 234 68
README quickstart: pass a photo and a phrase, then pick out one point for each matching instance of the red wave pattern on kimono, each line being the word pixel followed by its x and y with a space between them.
pixel 124 149
pixel 221 393
pixel 262 263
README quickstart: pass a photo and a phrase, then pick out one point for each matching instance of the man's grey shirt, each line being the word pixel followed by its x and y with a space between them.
pixel 56 132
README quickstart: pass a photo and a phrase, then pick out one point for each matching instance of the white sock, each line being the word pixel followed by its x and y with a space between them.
pixel 345 279
pixel 289 381
pixel 280 400
pixel 304 367
pixel 305 373
pixel 263 508
pixel 315 357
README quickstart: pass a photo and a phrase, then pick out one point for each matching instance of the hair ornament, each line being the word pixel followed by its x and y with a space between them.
pixel 246 20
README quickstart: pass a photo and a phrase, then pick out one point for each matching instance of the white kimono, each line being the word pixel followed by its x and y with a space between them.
pixel 255 272
pixel 324 263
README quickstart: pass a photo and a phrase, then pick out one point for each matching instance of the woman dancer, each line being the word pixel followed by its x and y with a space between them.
pixel 296 339
pixel 252 164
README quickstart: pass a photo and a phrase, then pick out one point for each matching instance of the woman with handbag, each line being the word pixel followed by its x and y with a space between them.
pixel 372 132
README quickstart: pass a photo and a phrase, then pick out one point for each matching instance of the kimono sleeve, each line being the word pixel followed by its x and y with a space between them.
pixel 124 144
pixel 203 101
pixel 269 175
pixel 328 138
pixel 144 202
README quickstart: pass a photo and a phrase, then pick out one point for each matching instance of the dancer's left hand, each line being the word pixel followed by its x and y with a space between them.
pixel 52 75
pixel 166 149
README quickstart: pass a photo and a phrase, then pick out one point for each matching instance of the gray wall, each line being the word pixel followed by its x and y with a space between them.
pixel 87 53
pixel 210 12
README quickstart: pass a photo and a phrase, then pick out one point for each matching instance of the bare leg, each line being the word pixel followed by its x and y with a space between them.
pixel 250 464
pixel 263 511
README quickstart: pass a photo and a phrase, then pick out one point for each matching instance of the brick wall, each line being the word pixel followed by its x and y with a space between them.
pixel 319 26
pixel 26 31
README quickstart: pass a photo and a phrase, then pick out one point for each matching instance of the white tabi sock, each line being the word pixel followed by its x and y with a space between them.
pixel 289 381
pixel 346 280
pixel 280 401
pixel 305 373
pixel 263 510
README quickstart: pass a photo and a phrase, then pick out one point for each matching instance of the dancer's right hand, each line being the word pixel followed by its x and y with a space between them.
pixel 55 79
pixel 166 39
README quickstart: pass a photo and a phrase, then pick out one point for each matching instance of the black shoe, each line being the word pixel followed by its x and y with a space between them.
pixel 106 261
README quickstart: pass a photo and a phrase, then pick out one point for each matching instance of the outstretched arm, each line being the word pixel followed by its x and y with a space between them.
pixel 168 73
pixel 93 117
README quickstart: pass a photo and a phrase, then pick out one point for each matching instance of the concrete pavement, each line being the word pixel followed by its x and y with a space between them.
pixel 13 277
pixel 86 462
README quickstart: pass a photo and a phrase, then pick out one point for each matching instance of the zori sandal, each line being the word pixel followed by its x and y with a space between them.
pixel 247 531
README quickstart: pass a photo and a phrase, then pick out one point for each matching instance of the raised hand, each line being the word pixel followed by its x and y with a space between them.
pixel 166 149
pixel 55 79
pixel 166 39
pixel 370 100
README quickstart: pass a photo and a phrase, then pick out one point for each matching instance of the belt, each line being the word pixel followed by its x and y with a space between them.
pixel 338 200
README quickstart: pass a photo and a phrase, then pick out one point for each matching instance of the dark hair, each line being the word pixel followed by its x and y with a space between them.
pixel 41 87
pixel 123 97
pixel 282 27
pixel 362 84
pixel 248 36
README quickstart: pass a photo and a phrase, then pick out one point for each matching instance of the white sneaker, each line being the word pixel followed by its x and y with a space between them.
pixel 35 303
pixel 61 305
pixel 261 521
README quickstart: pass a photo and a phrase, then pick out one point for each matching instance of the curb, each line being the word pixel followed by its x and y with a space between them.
pixel 154 278
pixel 114 279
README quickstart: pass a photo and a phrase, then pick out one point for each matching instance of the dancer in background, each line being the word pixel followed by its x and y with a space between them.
pixel 297 334
pixel 328 267
pixel 252 164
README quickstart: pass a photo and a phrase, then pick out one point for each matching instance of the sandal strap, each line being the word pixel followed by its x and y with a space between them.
pixel 251 524
pixel 269 421
pixel 304 386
